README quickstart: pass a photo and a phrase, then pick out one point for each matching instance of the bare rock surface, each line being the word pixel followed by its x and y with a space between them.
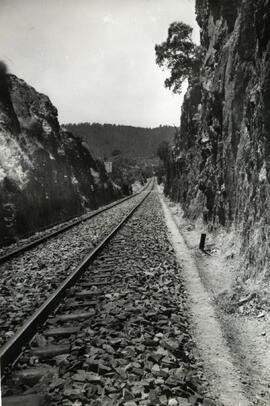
pixel 219 166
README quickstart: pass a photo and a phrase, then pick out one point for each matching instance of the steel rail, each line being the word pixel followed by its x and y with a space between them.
pixel 12 350
pixel 17 251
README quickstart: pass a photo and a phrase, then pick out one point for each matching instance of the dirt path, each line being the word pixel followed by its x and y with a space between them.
pixel 220 371
pixel 247 335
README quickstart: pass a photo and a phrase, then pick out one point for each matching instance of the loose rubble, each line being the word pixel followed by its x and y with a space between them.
pixel 134 347
pixel 27 280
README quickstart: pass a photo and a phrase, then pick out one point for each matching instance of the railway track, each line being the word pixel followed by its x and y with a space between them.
pixel 10 253
pixel 115 333
pixel 28 279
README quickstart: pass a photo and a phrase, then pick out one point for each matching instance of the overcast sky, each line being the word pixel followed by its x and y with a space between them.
pixel 95 59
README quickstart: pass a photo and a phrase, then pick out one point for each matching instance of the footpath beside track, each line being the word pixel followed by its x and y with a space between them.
pixel 122 334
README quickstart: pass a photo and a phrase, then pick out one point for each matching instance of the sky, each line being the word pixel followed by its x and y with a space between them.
pixel 95 59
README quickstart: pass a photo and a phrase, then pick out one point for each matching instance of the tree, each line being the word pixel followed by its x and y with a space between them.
pixel 179 54
pixel 163 151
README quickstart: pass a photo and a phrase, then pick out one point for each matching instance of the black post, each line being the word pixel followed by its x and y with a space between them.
pixel 202 242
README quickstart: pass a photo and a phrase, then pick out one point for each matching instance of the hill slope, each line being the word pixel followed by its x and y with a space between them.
pixel 104 139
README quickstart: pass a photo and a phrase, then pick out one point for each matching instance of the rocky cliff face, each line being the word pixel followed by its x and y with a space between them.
pixel 46 174
pixel 220 164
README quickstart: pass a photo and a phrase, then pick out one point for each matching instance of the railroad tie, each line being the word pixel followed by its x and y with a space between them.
pixel 73 304
pixel 89 293
pixel 25 400
pixel 51 350
pixel 31 376
pixel 61 331
pixel 74 316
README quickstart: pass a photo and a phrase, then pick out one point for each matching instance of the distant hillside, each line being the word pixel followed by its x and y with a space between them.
pixel 108 139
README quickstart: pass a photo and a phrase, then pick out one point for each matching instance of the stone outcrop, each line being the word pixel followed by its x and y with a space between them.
pixel 219 167
pixel 46 174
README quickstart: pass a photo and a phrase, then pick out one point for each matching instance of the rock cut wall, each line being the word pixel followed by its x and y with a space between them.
pixel 46 174
pixel 220 165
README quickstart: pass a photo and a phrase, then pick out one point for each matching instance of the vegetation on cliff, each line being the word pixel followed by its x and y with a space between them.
pixel 180 55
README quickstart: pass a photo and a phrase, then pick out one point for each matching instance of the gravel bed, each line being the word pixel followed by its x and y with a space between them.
pixel 27 280
pixel 39 234
pixel 26 240
pixel 136 348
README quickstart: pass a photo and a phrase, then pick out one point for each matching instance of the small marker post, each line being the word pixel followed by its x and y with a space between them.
pixel 202 242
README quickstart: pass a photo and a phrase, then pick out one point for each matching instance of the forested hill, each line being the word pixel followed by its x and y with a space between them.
pixel 108 139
